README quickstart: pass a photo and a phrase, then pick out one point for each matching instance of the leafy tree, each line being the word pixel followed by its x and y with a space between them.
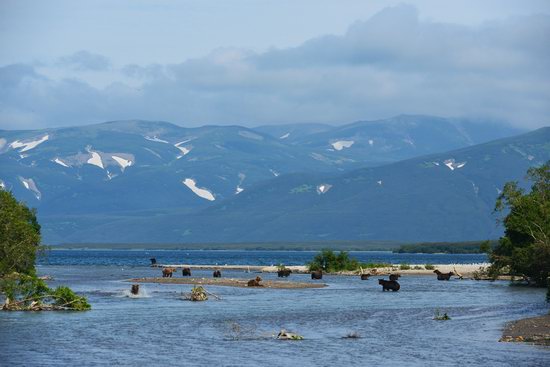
pixel 329 261
pixel 19 236
pixel 19 244
pixel 525 248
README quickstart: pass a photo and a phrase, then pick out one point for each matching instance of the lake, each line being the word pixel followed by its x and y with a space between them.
pixel 160 328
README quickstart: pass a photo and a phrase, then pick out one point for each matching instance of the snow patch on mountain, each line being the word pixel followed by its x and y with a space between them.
pixel 323 188
pixel 153 152
pixel 155 139
pixel 452 164
pixel 371 142
pixel 475 187
pixel 409 141
pixel 29 144
pixel 342 144
pixel 2 185
pixel 250 135
pixel 238 190
pixel 201 192
pixel 95 160
pixel 284 136
pixel 274 173
pixel 59 161
pixel 110 175
pixel 30 185
pixel 184 150
pixel 122 162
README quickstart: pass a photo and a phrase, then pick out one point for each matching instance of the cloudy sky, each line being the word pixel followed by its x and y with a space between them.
pixel 254 62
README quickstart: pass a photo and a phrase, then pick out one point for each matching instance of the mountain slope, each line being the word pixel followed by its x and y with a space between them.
pixel 440 197
pixel 402 137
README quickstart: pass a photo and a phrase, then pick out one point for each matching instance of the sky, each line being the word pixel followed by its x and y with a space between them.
pixel 256 62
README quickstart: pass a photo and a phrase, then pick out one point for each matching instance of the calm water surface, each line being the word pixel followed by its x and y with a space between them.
pixel 141 257
pixel 397 329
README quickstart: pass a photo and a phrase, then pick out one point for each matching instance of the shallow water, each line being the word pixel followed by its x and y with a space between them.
pixel 141 257
pixel 396 328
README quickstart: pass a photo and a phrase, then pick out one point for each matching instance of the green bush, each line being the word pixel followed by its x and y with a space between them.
pixel 429 267
pixel 19 245
pixel 525 247
pixel 65 297
pixel 404 266
pixel 19 236
pixel 329 261
pixel 27 292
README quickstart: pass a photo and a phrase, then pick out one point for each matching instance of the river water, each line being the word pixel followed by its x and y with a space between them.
pixel 396 329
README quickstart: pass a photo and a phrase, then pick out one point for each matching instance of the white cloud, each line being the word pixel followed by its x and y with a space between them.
pixel 392 63
pixel 85 60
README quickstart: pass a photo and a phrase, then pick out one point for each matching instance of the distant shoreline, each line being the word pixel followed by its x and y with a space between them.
pixel 455 248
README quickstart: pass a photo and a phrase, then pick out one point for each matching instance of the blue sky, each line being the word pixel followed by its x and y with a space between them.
pixel 255 62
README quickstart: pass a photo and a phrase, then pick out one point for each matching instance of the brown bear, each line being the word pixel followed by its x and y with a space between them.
pixel 318 274
pixel 443 276
pixel 167 272
pixel 255 282
pixel 389 285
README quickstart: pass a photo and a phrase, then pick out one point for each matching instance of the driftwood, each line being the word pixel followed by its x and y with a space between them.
pixel 35 305
pixel 460 276
pixel 285 335
pixel 198 293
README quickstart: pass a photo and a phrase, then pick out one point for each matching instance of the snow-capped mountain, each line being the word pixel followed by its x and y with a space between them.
pixel 83 178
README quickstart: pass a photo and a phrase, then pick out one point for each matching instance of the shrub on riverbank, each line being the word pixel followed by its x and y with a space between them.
pixel 19 244
pixel 331 262
pixel 525 248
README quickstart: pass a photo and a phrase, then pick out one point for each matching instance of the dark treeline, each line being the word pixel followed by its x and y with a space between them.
pixel 472 247
pixel 343 245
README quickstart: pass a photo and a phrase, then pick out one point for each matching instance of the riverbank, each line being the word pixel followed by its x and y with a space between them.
pixel 465 270
pixel 229 282
pixel 534 330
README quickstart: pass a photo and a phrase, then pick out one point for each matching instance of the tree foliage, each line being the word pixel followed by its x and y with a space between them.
pixel 19 245
pixel 329 261
pixel 19 236
pixel 525 248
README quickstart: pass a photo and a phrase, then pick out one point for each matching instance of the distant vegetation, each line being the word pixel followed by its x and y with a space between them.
pixel 524 251
pixel 474 247
pixel 331 262
pixel 265 246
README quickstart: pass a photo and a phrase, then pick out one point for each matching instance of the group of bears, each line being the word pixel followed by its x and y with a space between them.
pixel 387 285
pixel 186 272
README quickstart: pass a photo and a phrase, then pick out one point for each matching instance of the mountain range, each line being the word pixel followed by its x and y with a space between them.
pixel 143 181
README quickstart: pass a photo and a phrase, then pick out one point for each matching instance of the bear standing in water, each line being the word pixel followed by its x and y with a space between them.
pixel 389 285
